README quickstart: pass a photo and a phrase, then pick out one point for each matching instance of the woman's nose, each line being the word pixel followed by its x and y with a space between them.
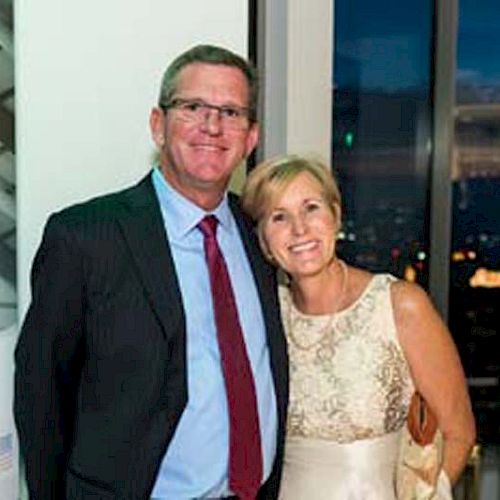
pixel 298 225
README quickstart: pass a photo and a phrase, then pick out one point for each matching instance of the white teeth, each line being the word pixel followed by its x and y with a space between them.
pixel 208 147
pixel 303 247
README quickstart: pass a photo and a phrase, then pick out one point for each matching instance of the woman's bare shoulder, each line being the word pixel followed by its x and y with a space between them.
pixel 409 298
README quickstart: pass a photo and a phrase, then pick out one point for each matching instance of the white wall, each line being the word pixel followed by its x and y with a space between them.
pixel 309 77
pixel 297 50
pixel 87 74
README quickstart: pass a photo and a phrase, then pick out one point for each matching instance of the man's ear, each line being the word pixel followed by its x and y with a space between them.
pixel 157 127
pixel 252 138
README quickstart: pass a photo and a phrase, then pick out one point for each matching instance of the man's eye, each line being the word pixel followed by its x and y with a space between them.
pixel 229 112
pixel 192 107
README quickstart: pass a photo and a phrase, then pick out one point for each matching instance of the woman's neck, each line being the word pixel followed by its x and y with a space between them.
pixel 322 293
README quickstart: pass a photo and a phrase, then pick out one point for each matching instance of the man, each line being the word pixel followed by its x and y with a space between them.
pixel 122 385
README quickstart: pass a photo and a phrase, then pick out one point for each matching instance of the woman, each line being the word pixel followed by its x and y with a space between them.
pixel 359 345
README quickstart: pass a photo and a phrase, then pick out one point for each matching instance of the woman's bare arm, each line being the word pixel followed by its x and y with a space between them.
pixel 436 370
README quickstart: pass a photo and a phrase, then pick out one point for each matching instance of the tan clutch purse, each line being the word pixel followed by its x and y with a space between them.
pixel 420 455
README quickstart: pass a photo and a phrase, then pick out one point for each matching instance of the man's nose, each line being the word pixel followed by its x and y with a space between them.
pixel 212 123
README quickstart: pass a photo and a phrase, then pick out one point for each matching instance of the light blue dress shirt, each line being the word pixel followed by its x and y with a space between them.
pixel 196 462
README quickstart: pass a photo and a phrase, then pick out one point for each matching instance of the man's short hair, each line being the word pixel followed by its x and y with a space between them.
pixel 210 54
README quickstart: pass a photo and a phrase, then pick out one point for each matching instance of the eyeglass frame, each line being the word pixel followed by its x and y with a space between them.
pixel 244 111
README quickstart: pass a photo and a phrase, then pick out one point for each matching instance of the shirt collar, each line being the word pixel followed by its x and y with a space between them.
pixel 182 215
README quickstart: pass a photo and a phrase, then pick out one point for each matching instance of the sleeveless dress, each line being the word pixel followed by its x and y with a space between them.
pixel 350 390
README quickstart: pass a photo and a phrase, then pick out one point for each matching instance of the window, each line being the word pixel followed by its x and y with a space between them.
pixel 381 132
pixel 475 246
pixel 7 172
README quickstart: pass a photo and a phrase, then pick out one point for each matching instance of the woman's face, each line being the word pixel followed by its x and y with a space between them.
pixel 300 230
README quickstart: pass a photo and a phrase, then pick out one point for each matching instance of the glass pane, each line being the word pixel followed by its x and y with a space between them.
pixel 382 125
pixel 475 258
pixel 7 172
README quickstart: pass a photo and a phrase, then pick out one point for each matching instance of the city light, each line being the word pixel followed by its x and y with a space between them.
pixel 457 256
pixel 395 252
pixel 410 274
pixel 349 139
pixel 462 255
pixel 485 278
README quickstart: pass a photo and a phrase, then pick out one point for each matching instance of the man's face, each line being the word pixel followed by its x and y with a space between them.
pixel 199 156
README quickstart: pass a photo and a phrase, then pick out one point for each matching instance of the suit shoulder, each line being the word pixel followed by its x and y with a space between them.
pixel 234 204
pixel 101 208
pixel 233 197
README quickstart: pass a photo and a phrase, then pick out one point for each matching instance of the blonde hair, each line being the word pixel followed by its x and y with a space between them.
pixel 268 181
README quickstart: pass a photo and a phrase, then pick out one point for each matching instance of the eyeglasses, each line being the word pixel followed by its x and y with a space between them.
pixel 198 111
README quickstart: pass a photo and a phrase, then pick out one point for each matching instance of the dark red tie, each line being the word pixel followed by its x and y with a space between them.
pixel 245 455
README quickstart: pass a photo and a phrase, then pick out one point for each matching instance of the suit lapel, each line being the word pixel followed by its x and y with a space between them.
pixel 265 278
pixel 143 230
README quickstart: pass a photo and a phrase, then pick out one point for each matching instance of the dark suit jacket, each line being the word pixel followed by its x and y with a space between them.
pixel 101 362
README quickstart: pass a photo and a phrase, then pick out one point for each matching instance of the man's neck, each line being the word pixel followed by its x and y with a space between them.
pixel 207 197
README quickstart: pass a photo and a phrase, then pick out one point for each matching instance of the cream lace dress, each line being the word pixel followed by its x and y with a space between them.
pixel 350 390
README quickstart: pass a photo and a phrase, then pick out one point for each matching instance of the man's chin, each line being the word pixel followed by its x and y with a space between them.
pixel 211 175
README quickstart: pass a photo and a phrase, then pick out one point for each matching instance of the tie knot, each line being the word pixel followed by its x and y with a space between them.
pixel 208 226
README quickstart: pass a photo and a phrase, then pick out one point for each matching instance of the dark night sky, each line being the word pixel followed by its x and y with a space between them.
pixel 387 44
pixel 479 41
pixel 383 45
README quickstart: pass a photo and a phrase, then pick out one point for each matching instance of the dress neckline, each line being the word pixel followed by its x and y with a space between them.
pixel 352 305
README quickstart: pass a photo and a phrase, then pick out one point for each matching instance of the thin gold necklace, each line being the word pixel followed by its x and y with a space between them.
pixel 326 330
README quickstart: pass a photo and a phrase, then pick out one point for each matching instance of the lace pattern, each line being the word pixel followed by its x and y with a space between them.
pixel 351 382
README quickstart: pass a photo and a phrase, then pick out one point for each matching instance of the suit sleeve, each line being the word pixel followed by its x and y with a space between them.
pixel 48 360
pixel 270 489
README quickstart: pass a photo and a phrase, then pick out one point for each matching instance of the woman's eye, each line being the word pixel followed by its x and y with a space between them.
pixel 313 206
pixel 277 217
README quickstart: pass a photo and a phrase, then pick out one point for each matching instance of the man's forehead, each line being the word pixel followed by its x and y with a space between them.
pixel 198 76
pixel 215 69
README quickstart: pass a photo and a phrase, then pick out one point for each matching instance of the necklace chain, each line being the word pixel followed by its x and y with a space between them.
pixel 325 331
